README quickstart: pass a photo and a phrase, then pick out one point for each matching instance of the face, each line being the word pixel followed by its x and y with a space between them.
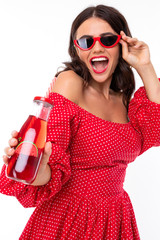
pixel 100 61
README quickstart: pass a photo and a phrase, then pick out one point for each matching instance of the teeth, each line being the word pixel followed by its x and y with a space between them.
pixel 99 59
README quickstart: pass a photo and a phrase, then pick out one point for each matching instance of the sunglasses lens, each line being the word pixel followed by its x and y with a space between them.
pixel 109 40
pixel 85 43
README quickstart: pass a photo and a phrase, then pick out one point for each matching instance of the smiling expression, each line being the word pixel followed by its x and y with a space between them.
pixel 100 61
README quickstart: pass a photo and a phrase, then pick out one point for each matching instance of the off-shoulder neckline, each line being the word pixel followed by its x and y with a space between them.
pixel 89 113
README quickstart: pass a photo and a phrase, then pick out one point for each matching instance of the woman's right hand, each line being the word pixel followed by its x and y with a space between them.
pixel 44 171
pixel 9 151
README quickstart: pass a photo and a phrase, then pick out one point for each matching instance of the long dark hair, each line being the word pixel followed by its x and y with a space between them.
pixel 123 77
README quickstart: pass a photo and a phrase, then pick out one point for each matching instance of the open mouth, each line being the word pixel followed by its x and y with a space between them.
pixel 99 64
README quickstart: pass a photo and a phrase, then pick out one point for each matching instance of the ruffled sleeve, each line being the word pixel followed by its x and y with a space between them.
pixel 61 128
pixel 144 116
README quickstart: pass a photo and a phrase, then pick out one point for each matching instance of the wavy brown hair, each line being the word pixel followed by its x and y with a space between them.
pixel 123 77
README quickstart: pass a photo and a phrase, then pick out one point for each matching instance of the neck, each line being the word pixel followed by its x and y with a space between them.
pixel 102 89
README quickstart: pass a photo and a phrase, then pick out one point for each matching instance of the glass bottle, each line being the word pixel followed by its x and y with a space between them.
pixel 23 165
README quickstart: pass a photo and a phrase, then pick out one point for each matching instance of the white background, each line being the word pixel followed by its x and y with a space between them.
pixel 34 37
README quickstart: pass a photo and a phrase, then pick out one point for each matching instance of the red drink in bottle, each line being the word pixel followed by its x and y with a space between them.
pixel 23 165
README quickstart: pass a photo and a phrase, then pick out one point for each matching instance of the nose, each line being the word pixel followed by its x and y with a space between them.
pixel 97 46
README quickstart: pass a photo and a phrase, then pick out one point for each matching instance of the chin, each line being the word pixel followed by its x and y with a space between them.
pixel 100 77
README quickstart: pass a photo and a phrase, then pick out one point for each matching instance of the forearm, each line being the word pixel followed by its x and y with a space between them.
pixel 150 81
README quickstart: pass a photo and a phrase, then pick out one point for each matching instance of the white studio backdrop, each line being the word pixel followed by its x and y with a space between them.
pixel 34 36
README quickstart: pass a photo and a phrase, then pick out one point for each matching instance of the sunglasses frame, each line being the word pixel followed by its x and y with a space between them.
pixel 99 40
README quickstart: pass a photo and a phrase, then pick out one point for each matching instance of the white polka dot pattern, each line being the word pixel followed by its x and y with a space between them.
pixel 85 198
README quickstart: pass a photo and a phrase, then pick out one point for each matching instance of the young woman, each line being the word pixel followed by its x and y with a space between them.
pixel 95 130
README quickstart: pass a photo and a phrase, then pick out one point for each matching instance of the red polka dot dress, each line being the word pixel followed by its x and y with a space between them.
pixel 85 199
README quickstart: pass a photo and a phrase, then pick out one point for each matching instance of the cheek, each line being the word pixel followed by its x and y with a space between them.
pixel 82 54
pixel 115 55
pixel 116 59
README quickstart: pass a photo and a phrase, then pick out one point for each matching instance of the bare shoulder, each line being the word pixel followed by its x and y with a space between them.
pixel 70 85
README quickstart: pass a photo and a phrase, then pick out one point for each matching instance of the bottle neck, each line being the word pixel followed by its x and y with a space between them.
pixel 41 110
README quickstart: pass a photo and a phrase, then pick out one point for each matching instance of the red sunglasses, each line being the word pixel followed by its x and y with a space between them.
pixel 86 43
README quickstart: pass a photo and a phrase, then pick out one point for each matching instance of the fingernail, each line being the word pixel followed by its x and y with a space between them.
pixel 11 150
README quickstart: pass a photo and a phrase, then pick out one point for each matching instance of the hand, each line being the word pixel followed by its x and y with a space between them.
pixel 9 151
pixel 44 171
pixel 134 52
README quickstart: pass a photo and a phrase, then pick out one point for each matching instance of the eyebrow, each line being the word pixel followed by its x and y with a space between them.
pixel 101 35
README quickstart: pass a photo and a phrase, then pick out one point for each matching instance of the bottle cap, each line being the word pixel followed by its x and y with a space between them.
pixel 43 99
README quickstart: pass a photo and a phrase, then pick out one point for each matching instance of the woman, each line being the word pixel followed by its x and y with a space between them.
pixel 94 131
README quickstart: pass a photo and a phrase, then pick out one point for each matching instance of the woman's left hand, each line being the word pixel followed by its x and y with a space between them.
pixel 134 52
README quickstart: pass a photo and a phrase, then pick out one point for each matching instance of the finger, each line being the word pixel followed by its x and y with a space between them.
pixel 47 153
pixel 14 134
pixel 13 142
pixel 9 151
pixel 5 160
pixel 124 48
pixel 140 44
pixel 124 36
pixel 47 149
pixel 131 41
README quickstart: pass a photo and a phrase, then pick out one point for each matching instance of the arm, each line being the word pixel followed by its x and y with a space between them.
pixel 53 173
pixel 137 54
pixel 47 184
pixel 150 81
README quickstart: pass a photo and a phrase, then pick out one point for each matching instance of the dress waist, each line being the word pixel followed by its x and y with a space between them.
pixel 98 182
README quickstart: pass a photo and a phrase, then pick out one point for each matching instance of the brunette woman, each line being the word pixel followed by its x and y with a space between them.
pixel 94 132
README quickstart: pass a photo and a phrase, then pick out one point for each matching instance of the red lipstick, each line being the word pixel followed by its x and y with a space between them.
pixel 99 64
